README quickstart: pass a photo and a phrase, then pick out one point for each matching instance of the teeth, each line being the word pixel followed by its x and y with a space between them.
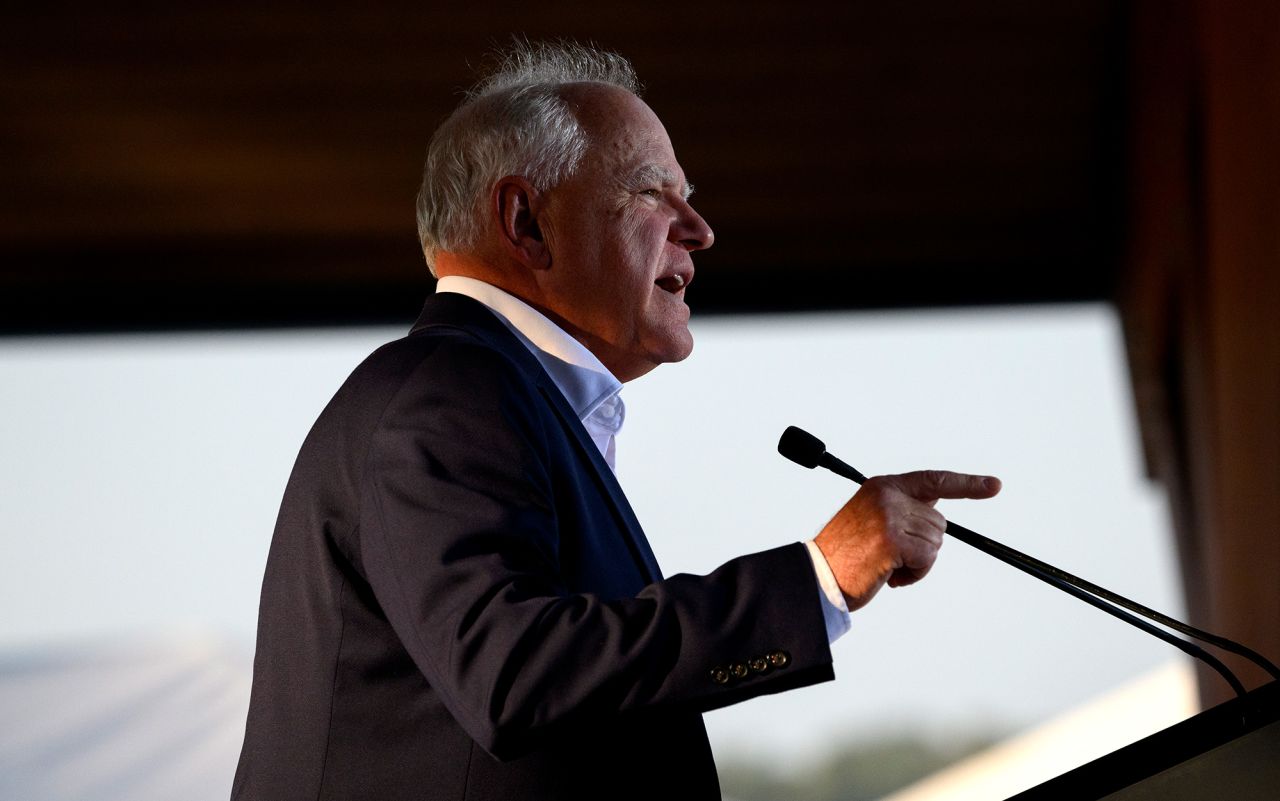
pixel 671 283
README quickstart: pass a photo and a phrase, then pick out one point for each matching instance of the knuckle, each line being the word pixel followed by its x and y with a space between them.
pixel 935 479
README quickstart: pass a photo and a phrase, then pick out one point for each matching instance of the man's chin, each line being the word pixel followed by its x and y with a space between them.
pixel 676 349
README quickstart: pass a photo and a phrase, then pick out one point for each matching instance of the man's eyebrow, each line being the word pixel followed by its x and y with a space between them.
pixel 662 176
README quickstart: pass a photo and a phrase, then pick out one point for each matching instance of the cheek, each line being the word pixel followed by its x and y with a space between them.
pixel 637 247
pixel 642 228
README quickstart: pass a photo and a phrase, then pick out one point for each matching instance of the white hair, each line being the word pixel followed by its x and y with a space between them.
pixel 514 122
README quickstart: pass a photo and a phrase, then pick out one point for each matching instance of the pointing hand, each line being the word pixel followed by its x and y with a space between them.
pixel 889 532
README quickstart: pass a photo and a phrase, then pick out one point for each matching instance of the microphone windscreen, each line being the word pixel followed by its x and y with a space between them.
pixel 801 447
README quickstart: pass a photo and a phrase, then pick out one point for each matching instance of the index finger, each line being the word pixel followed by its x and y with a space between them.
pixel 930 485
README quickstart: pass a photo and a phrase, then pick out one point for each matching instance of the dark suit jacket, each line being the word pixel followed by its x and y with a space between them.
pixel 460 604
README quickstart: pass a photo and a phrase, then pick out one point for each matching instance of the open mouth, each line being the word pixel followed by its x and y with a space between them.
pixel 671 283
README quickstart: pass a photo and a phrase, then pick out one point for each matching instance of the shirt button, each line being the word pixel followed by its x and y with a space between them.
pixel 779 659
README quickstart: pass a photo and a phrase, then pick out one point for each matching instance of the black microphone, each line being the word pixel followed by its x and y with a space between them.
pixel 808 451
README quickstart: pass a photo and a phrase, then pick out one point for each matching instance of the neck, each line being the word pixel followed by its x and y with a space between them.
pixel 523 284
pixel 482 269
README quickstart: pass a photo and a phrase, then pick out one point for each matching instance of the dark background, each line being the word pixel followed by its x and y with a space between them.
pixel 179 166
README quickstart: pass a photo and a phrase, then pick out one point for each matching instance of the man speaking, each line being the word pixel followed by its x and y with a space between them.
pixel 459 602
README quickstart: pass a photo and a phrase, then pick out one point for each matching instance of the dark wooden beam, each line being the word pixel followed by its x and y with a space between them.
pixel 252 166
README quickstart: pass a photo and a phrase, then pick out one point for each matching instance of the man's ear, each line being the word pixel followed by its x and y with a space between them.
pixel 518 205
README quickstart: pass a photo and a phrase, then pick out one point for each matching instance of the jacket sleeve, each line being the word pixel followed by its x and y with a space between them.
pixel 460 541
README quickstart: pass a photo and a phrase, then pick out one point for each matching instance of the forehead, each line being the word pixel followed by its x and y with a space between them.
pixel 623 133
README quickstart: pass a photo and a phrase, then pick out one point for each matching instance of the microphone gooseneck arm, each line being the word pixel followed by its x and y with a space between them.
pixel 807 450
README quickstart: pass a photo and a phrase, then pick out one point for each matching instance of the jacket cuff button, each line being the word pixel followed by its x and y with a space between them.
pixel 779 659
pixel 759 664
pixel 720 675
pixel 739 670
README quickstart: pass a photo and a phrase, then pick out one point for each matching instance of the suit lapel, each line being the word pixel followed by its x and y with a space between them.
pixel 458 311
pixel 638 543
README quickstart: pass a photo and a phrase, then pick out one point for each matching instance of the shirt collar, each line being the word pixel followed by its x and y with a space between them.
pixel 583 380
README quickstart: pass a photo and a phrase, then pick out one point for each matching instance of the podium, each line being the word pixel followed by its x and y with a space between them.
pixel 1230 752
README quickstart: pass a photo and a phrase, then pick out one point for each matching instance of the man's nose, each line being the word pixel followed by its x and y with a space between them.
pixel 690 230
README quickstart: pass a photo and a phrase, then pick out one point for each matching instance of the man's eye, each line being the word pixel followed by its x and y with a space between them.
pixel 651 192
